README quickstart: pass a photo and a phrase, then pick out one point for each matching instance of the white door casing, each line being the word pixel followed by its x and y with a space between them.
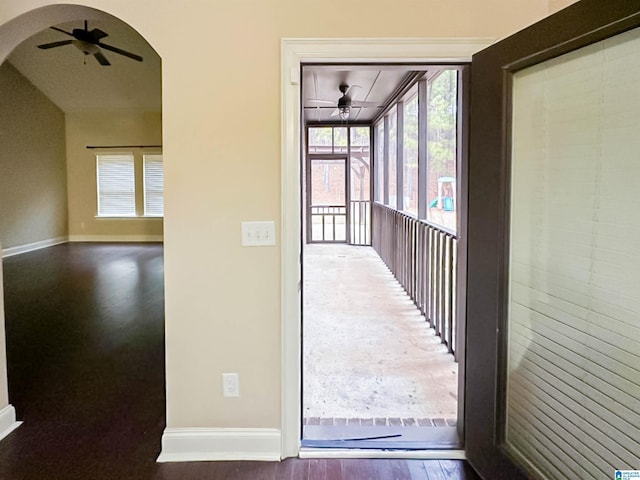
pixel 294 53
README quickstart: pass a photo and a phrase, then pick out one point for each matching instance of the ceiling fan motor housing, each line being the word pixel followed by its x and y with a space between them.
pixel 344 102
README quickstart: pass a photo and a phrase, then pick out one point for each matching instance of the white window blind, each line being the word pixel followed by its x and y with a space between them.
pixel 573 384
pixel 116 185
pixel 153 185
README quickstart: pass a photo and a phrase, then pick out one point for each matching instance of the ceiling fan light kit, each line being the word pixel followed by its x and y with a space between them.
pixel 343 112
pixel 344 102
pixel 88 42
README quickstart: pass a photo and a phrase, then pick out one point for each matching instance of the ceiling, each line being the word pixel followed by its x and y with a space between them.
pixel 75 82
pixel 379 84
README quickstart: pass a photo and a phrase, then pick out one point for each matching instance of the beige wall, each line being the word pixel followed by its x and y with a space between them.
pixel 107 128
pixel 33 195
pixel 221 136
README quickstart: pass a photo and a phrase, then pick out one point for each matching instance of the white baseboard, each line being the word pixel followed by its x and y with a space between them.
pixel 30 247
pixel 116 238
pixel 210 444
pixel 8 421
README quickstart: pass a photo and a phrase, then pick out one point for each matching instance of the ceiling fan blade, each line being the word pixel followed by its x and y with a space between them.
pixel 102 60
pixel 120 51
pixel 357 103
pixel 63 31
pixel 321 102
pixel 349 92
pixel 45 46
pixel 335 113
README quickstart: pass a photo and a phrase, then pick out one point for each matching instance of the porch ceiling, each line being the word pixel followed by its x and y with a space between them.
pixel 370 83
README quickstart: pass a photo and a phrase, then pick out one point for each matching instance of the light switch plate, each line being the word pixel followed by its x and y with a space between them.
pixel 258 234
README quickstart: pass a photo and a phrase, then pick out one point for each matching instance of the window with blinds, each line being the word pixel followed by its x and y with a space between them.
pixel 573 383
pixel 116 185
pixel 153 172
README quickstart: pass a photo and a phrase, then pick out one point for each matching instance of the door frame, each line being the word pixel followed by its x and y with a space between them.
pixel 308 188
pixel 579 25
pixel 294 52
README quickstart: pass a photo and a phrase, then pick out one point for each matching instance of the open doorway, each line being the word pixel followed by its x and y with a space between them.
pixel 379 256
pixel 81 226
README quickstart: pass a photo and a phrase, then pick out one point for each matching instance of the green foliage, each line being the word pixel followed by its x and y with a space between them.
pixel 360 136
pixel 442 128
pixel 320 136
pixel 411 132
pixel 339 137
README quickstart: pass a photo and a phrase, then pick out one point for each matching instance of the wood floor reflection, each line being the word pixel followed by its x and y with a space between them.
pixel 85 359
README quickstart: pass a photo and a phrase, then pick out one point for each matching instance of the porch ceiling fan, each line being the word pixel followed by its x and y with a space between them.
pixel 88 42
pixel 345 102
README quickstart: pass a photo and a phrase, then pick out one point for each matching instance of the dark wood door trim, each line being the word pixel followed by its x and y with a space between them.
pixel 581 24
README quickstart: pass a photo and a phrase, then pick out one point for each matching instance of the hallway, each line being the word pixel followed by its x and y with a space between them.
pixel 369 356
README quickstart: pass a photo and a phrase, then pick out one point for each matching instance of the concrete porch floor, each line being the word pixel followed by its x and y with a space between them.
pixel 367 351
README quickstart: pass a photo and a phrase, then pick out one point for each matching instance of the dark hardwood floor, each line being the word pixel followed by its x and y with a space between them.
pixel 85 353
pixel 325 469
pixel 85 359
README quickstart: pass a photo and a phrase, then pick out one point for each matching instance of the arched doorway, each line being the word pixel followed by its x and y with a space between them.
pixel 84 321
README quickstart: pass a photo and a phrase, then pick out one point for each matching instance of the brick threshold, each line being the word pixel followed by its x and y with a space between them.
pixel 381 422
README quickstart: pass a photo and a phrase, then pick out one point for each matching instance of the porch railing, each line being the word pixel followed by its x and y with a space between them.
pixel 328 223
pixel 360 222
pixel 422 257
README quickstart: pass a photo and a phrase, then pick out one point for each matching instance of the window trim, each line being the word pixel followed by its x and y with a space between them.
pixel 138 155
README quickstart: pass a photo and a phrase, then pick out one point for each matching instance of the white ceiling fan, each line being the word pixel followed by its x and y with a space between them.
pixel 345 103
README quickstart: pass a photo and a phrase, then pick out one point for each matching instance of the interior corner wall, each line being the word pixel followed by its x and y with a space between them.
pixel 33 184
pixel 106 129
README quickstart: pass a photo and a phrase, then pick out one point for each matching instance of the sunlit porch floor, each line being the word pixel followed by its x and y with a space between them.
pixel 369 356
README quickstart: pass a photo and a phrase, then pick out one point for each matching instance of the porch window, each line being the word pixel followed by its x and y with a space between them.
pixel 392 180
pixel 442 149
pixel 379 163
pixel 410 154
pixel 320 140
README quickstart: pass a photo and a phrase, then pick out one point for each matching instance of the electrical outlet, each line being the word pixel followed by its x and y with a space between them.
pixel 230 385
pixel 257 234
